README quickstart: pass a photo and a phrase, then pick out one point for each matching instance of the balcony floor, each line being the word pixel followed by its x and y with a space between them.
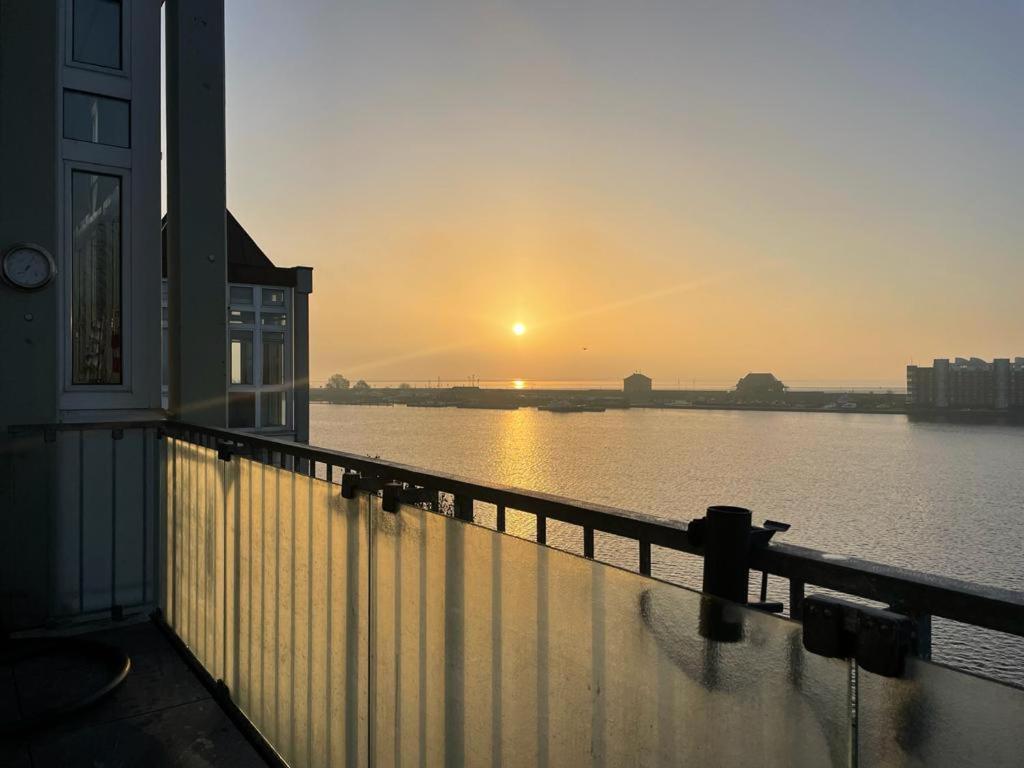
pixel 160 716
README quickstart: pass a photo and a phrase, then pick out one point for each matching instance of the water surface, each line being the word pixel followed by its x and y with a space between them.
pixel 944 498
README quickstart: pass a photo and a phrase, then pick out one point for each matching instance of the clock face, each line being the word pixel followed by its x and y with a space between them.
pixel 28 267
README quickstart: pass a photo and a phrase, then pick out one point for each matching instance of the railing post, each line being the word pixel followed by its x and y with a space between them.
pixel 921 642
pixel 796 599
pixel 464 507
pixel 726 553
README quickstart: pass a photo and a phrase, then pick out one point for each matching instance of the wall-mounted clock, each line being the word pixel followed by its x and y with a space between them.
pixel 27 266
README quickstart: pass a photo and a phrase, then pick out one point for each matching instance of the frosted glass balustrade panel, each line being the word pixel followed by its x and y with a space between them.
pixel 487 648
pixel 938 716
pixel 198 569
pixel 267 583
pixel 303 613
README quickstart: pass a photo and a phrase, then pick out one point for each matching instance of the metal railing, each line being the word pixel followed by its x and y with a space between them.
pixel 918 594
pixel 915 593
pixel 334 603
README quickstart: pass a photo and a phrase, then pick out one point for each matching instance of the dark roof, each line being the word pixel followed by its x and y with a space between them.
pixel 637 376
pixel 759 381
pixel 247 263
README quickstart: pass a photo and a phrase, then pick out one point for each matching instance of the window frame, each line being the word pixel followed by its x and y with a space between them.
pixel 125 70
pixel 78 146
pixel 257 328
pixel 87 391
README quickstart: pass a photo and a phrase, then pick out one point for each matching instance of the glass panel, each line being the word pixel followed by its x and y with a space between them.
pixel 97 32
pixel 240 294
pixel 937 716
pixel 96 278
pixel 274 318
pixel 273 296
pixel 273 358
pixel 97 119
pixel 490 649
pixel 165 314
pixel 267 583
pixel 273 405
pixel 241 317
pixel 241 357
pixel 241 410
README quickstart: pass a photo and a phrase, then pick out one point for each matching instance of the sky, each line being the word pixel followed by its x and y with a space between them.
pixel 828 191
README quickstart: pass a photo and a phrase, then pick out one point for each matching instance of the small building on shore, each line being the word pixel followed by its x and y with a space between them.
pixel 636 387
pixel 758 386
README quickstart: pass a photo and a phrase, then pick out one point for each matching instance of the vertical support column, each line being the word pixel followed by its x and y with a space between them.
pixel 726 549
pixel 300 345
pixel 196 204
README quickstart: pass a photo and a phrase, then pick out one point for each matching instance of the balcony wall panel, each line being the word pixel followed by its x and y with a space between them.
pixel 487 648
pixel 267 585
pixel 352 635
pixel 937 716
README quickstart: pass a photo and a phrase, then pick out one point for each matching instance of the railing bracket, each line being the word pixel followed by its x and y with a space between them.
pixel 389 499
pixel 879 640
pixel 349 484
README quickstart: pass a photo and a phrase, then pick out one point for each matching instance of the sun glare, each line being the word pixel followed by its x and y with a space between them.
pixel 518 329
pixel 518 383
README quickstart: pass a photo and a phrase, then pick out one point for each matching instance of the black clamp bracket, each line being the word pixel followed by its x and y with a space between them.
pixel 727 538
pixel 877 639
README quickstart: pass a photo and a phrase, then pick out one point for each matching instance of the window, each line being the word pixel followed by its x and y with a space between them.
pixel 96 32
pixel 259 350
pixel 241 357
pixel 241 317
pixel 241 410
pixel 241 294
pixel 96 119
pixel 273 358
pixel 96 352
pixel 273 405
pixel 273 296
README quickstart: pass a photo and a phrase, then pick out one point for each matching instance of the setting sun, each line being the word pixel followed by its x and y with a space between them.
pixel 518 329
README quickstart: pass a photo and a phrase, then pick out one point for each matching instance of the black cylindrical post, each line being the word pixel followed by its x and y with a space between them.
pixel 390 500
pixel 349 484
pixel 726 550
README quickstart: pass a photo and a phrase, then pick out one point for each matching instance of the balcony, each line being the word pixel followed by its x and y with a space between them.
pixel 349 611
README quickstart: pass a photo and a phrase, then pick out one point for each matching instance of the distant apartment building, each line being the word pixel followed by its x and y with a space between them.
pixel 967 383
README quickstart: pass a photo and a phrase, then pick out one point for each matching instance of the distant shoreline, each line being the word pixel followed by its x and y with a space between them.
pixel 637 406
pixel 570 401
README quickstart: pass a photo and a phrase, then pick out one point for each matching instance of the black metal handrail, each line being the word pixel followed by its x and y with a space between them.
pixel 916 593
